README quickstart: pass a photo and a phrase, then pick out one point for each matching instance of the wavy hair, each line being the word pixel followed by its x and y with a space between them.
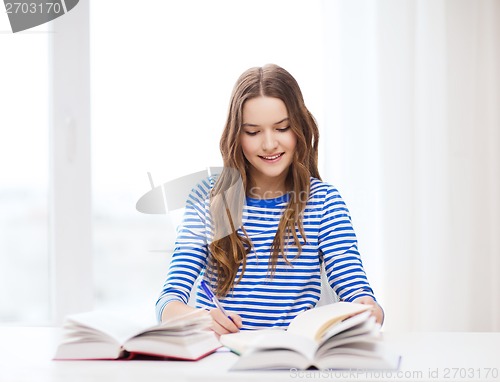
pixel 228 252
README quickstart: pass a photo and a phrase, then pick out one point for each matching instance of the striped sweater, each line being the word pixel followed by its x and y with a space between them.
pixel 263 301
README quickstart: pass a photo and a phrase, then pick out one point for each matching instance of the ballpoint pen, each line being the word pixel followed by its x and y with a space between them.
pixel 212 297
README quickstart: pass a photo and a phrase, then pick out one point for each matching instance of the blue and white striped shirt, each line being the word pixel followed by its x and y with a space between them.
pixel 260 300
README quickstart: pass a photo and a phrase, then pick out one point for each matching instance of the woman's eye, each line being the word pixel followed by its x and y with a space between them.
pixel 251 133
pixel 282 130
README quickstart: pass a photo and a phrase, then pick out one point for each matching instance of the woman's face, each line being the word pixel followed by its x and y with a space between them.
pixel 267 140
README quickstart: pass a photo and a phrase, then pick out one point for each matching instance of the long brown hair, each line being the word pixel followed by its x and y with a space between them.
pixel 229 251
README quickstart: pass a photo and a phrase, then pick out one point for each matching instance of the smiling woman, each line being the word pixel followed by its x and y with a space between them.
pixel 267 269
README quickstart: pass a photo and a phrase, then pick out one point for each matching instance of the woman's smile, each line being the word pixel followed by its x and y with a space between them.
pixel 272 158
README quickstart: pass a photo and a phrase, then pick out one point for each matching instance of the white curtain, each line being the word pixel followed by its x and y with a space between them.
pixel 412 141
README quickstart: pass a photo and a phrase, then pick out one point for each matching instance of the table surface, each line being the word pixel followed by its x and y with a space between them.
pixel 26 355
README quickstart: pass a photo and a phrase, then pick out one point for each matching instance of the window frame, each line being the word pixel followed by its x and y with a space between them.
pixel 70 270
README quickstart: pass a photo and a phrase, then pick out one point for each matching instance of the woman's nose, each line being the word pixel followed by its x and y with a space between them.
pixel 269 141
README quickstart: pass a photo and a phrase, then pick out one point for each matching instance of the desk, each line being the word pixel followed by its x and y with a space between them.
pixel 26 355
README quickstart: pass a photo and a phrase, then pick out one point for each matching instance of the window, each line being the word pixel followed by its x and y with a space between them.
pixel 160 92
pixel 24 143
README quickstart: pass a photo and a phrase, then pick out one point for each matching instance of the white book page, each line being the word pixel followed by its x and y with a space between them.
pixel 250 341
pixel 369 326
pixel 271 360
pixel 190 347
pixel 366 340
pixel 240 342
pixel 113 325
pixel 351 361
pixel 361 355
pixel 348 323
pixel 314 322
pixel 182 326
pixel 279 339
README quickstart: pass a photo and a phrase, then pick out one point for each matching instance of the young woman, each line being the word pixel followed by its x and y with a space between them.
pixel 261 250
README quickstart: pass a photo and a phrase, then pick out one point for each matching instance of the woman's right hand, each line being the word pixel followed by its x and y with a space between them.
pixel 221 324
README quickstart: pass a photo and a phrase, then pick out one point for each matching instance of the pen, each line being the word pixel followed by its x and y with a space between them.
pixel 212 297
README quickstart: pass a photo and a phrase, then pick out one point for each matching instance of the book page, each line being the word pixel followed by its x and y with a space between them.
pixel 269 340
pixel 280 339
pixel 110 324
pixel 314 322
pixel 181 326
pixel 352 361
pixel 189 347
pixel 369 326
pixel 240 342
pixel 281 359
pixel 348 323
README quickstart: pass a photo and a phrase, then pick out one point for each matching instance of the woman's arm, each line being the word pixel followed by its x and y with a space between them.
pixel 220 323
pixel 188 261
pixel 343 265
pixel 377 310
pixel 189 257
pixel 175 309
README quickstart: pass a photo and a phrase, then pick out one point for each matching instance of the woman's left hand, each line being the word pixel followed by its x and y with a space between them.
pixel 377 310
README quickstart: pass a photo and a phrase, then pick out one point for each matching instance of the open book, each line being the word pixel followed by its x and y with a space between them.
pixel 336 336
pixel 100 335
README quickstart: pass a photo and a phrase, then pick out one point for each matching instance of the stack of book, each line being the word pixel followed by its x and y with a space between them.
pixel 336 336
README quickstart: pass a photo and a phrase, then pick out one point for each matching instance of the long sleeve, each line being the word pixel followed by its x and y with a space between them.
pixel 339 247
pixel 190 254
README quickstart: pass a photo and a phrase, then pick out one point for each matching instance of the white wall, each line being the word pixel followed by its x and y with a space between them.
pixel 416 90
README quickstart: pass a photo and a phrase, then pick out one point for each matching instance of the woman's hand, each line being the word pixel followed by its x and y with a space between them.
pixel 221 324
pixel 377 310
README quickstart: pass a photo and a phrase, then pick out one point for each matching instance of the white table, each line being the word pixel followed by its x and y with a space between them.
pixel 26 355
